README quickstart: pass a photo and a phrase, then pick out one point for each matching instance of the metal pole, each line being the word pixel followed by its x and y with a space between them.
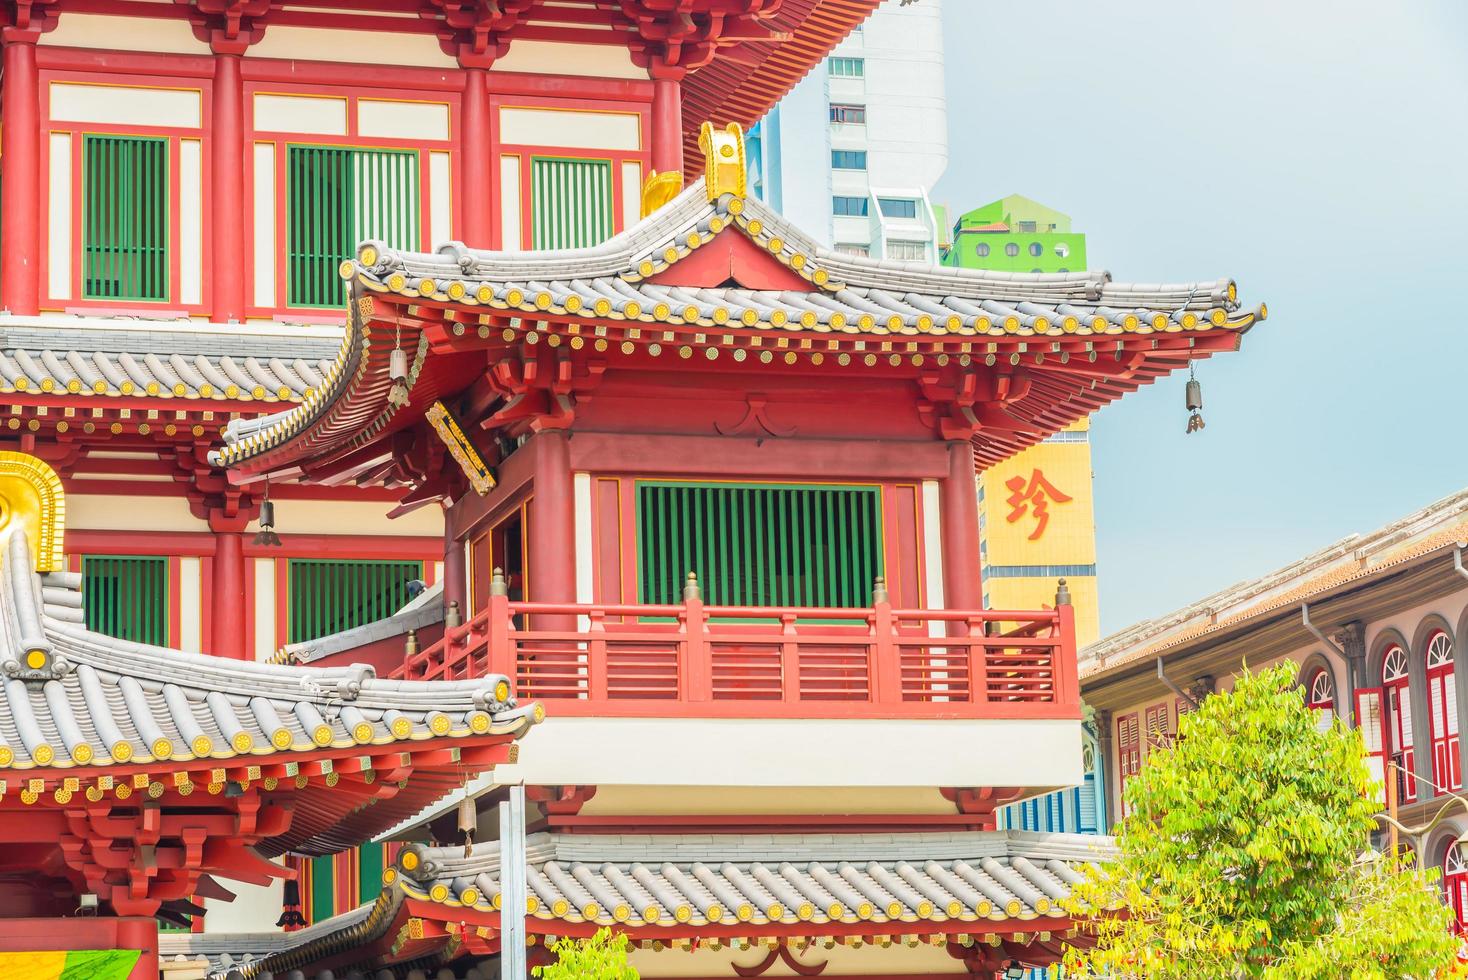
pixel 513 886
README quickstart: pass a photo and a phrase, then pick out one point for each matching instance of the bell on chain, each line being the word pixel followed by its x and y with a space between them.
pixel 1195 405
pixel 397 370
pixel 468 823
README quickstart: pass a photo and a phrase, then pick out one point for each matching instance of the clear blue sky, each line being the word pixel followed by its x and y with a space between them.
pixel 1314 150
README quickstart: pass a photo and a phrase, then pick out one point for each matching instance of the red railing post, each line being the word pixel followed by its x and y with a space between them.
pixel 789 660
pixel 886 656
pixel 1063 665
pixel 698 671
pixel 596 656
pixel 499 649
pixel 980 646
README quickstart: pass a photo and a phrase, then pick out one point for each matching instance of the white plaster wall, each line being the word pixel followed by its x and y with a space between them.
pixel 263 570
pixel 933 550
pixel 140 513
pixel 355 47
pixel 58 244
pixel 263 225
pixel 316 114
pixel 403 120
pixel 190 605
pixel 190 222
pixel 552 57
pixel 351 517
pixel 163 34
pixel 631 193
pixel 126 105
pixel 440 198
pixel 570 128
pixel 798 753
pixel 510 221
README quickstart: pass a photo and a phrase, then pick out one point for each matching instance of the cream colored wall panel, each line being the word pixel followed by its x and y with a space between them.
pixel 790 752
pixel 351 517
pixel 438 571
pixel 190 222
pixel 440 198
pixel 726 801
pixel 264 225
pixel 631 193
pixel 357 47
pixel 403 120
pixel 573 128
pixel 300 114
pixel 553 58
pixel 144 513
pixel 58 232
pixel 264 572
pixel 933 548
pixel 190 605
pixel 126 105
pixel 510 223
pixel 162 34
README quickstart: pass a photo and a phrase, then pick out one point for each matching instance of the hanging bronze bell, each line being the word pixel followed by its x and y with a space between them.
pixel 1194 399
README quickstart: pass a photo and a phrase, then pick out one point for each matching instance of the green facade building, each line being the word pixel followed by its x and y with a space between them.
pixel 1016 234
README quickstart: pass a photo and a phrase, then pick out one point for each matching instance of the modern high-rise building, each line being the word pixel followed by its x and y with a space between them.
pixel 879 102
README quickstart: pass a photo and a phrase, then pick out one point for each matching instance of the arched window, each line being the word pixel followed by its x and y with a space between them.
pixel 1398 698
pixel 1442 700
pixel 981 249
pixel 1455 882
pixel 1320 695
pixel 1036 248
pixel 1012 249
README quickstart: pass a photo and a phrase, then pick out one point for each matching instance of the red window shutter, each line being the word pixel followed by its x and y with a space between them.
pixel 1373 730
pixel 1129 753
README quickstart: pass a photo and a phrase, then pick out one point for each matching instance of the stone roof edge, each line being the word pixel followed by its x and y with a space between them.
pixel 1348 559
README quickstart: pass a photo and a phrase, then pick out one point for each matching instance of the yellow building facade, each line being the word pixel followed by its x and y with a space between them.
pixel 1037 524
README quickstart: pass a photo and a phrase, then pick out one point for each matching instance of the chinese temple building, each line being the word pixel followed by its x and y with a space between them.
pixel 658 465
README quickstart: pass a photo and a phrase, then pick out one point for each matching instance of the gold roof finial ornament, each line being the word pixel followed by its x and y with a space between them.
pixel 723 160
pixel 32 499
pixel 659 189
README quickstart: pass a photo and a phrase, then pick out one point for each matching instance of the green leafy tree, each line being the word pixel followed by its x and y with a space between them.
pixel 1244 854
pixel 602 957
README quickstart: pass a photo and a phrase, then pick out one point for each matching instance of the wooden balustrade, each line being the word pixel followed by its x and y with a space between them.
pixel 692 660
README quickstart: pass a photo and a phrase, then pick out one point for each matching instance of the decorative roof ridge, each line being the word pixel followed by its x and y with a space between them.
pixel 1250 597
pixel 425 609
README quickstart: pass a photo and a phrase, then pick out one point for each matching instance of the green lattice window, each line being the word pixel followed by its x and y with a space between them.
pixel 125 184
pixel 572 202
pixel 126 597
pixel 761 545
pixel 330 596
pixel 336 197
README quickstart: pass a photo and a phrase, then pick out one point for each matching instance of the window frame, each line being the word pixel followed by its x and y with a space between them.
pixel 611 217
pixel 838 110
pixel 863 213
pixel 862 154
pixel 907 244
pixel 905 202
pixel 1455 882
pixel 167 628
pixel 1128 753
pixel 1396 707
pixel 858 63
pixel 288 602
pixel 1442 709
pixel 77 131
pixel 283 230
pixel 169 175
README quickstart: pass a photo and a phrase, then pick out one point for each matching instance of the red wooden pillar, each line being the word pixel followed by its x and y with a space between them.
pixel 227 624
pixel 227 238
pixel 960 507
pixel 20 198
pixel 552 540
pixel 667 118
pixel 475 163
pixel 455 579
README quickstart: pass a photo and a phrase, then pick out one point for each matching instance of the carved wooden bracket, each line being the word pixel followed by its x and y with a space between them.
pixel 542 392
pixel 476 32
pixel 755 417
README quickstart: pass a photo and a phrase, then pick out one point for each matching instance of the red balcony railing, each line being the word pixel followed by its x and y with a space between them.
pixel 693 660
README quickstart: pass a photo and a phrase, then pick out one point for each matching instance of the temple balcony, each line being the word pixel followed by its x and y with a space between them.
pixel 693 660
pixel 801 711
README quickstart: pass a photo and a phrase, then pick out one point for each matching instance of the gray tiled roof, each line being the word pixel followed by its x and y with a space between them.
pixel 849 294
pixel 75 699
pixel 165 360
pixel 607 288
pixel 655 880
pixel 646 881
